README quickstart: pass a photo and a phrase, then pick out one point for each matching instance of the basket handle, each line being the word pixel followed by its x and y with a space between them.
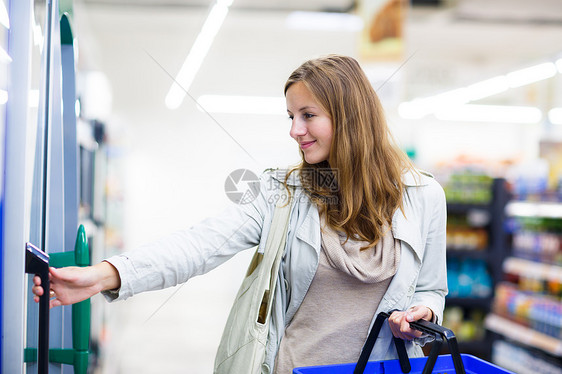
pixel 448 335
pixel 439 332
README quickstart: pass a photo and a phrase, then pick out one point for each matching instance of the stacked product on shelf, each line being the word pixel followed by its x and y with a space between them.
pixel 538 239
pixel 476 243
pixel 527 310
pixel 539 312
pixel 468 278
pixel 469 187
pixel 463 233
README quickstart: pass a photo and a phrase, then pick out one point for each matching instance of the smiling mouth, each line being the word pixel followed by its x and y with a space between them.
pixel 305 145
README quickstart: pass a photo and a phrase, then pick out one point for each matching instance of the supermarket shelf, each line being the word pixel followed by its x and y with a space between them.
pixel 531 269
pixel 469 302
pixel 534 209
pixel 490 217
pixel 523 335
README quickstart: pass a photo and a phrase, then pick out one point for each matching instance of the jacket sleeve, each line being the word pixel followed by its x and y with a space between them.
pixel 431 287
pixel 177 257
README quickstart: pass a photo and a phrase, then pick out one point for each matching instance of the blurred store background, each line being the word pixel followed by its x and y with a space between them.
pixel 473 93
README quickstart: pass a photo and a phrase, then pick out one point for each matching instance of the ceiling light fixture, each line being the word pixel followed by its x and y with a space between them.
pixel 488 87
pixel 323 21
pixel 531 74
pixel 197 54
pixel 421 107
pixel 490 113
pixel 555 116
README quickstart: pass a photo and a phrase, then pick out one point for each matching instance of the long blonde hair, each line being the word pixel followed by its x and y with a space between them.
pixel 359 187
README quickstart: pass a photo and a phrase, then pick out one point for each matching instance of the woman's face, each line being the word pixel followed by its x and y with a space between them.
pixel 311 126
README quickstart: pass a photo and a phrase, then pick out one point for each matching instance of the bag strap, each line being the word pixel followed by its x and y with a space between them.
pixel 439 332
pixel 277 235
pixel 275 245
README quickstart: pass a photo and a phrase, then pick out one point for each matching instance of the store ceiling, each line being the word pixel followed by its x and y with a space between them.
pixel 537 11
pixel 310 5
pixel 471 40
pixel 456 43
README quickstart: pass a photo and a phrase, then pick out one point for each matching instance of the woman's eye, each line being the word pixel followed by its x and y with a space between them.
pixel 308 115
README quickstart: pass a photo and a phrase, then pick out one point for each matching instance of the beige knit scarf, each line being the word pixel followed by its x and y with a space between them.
pixel 369 266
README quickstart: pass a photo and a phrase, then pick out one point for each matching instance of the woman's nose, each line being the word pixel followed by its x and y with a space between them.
pixel 297 129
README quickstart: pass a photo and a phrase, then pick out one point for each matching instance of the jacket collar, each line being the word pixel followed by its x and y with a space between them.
pixel 402 228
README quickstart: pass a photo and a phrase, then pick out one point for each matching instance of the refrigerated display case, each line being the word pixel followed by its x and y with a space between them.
pixel 41 189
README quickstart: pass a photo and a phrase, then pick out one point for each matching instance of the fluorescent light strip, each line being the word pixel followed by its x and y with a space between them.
pixel 197 54
pixel 4 17
pixel 488 87
pixel 421 107
pixel 323 21
pixel 490 113
pixel 243 104
pixel 531 74
pixel 555 116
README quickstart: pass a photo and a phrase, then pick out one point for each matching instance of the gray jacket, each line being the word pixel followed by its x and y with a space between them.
pixel 421 278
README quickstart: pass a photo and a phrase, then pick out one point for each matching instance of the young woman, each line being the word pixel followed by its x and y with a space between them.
pixel 366 233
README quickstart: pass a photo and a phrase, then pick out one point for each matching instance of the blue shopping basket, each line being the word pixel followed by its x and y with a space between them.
pixel 433 363
pixel 444 364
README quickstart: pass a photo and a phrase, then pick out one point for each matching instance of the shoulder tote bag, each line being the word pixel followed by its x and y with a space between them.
pixel 243 342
